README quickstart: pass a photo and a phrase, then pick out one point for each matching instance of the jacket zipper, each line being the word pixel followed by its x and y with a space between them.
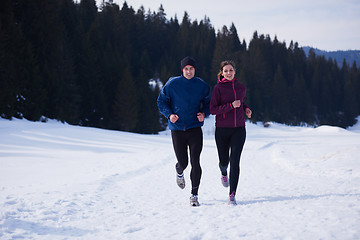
pixel 233 85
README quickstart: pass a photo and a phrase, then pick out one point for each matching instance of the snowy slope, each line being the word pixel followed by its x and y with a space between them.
pixel 64 182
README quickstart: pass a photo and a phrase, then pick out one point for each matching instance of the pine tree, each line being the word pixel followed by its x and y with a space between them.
pixel 9 87
pixel 125 112
pixel 223 51
pixel 351 96
pixel 280 105
pixel 90 77
pixel 146 103
pixel 87 12
pixel 184 38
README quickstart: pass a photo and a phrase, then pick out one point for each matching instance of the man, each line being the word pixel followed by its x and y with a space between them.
pixel 185 100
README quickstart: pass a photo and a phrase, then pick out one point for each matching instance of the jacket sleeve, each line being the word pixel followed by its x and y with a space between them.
pixel 206 102
pixel 215 106
pixel 163 103
pixel 245 106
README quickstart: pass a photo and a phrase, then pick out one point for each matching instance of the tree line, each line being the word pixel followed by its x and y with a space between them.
pixel 86 66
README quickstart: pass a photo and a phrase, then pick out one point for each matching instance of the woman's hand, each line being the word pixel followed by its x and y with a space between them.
pixel 236 103
pixel 248 112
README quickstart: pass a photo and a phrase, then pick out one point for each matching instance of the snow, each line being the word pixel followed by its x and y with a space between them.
pixel 59 181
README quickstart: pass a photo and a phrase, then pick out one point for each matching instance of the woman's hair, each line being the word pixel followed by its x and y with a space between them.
pixel 223 64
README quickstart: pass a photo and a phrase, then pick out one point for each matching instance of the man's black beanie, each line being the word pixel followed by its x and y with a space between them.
pixel 188 61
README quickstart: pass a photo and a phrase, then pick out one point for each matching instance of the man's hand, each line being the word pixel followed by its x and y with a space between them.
pixel 200 116
pixel 173 118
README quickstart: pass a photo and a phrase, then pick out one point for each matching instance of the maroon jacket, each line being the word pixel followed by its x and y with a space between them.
pixel 224 93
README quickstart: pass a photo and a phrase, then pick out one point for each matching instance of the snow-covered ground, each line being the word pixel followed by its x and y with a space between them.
pixel 65 182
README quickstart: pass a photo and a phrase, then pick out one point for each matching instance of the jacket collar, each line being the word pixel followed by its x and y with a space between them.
pixel 221 79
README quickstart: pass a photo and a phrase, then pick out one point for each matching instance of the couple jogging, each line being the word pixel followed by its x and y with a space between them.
pixel 185 101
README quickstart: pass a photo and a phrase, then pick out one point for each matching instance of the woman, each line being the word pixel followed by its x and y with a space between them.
pixel 227 103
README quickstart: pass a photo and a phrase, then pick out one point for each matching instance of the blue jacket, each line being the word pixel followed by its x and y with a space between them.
pixel 185 98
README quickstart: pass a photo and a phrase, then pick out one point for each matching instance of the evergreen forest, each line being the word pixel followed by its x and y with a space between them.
pixel 90 66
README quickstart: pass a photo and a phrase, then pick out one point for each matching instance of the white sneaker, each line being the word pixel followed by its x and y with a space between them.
pixel 232 200
pixel 180 180
pixel 225 181
pixel 194 201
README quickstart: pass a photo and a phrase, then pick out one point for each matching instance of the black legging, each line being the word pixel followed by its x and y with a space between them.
pixel 192 138
pixel 230 142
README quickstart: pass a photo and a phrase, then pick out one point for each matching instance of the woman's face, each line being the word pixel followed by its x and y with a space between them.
pixel 228 72
pixel 188 72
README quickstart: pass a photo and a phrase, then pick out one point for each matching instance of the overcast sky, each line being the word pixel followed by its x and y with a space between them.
pixel 325 24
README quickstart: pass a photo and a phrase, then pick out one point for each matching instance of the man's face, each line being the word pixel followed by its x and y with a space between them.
pixel 188 72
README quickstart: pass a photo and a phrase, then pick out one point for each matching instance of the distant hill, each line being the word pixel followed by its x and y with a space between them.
pixel 350 56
